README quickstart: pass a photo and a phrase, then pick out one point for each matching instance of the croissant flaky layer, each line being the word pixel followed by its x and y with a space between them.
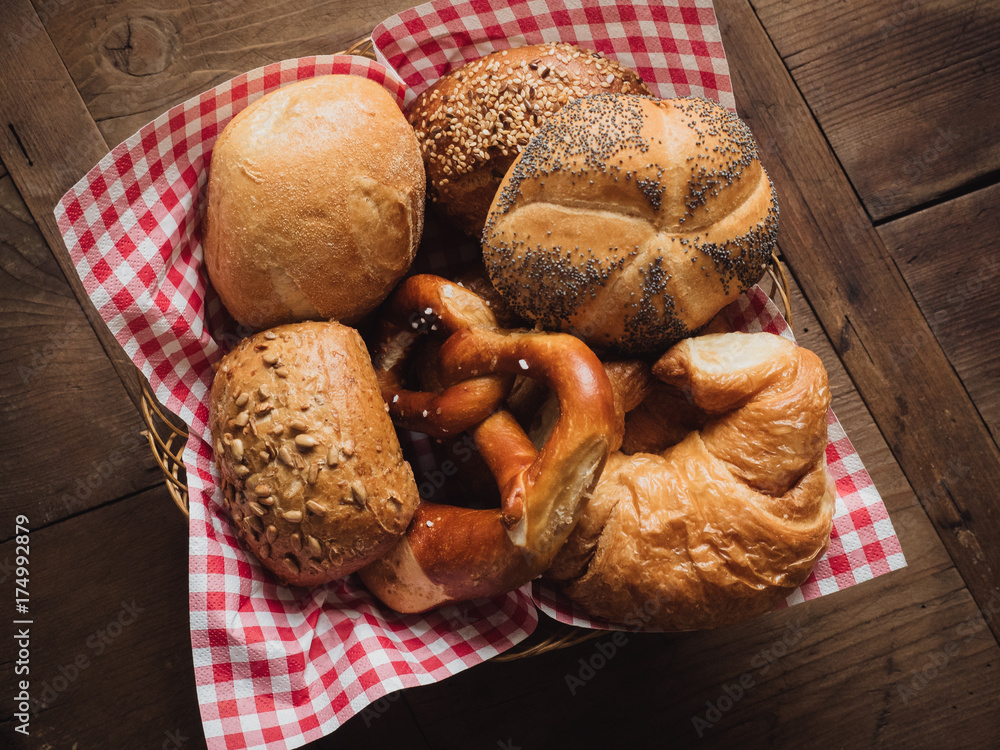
pixel 724 524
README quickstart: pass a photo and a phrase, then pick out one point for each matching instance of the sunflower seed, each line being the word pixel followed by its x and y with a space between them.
pixel 359 492
pixel 312 473
pixel 271 358
pixel 218 447
pixel 316 508
pixel 270 335
pixel 281 372
pixel 333 456
pixel 264 392
pixel 237 450
pixel 262 490
pixel 257 509
pixel 264 455
pixel 313 544
pixel 292 564
pixel 241 471
pixel 263 407
pixel 285 456
pixel 277 429
pixel 296 540
pixel 271 533
pixel 242 399
pixel 268 501
pixel 306 441
pixel 298 424
pixel 264 550
pixel 292 516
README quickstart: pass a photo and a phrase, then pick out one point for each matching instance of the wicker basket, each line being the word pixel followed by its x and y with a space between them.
pixel 167 438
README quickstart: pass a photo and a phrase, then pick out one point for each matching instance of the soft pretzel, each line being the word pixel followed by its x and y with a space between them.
pixel 422 304
pixel 725 524
pixel 452 554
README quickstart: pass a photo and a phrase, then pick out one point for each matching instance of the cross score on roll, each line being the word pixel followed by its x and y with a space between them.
pixel 614 224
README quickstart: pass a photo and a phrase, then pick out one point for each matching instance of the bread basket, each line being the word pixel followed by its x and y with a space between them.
pixel 167 437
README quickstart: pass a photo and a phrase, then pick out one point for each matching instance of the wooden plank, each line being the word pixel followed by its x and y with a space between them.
pixel 156 53
pixel 126 560
pixel 109 588
pixel 955 283
pixel 862 301
pixel 49 143
pixel 908 93
pixel 847 679
pixel 830 689
pixel 73 440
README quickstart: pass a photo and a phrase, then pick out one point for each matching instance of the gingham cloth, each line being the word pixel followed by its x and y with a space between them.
pixel 279 667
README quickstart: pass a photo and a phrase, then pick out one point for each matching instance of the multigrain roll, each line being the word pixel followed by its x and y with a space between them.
pixel 475 120
pixel 311 468
pixel 631 222
pixel 315 203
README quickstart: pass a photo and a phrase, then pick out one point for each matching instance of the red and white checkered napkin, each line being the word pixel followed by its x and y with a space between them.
pixel 863 543
pixel 279 667
pixel 675 46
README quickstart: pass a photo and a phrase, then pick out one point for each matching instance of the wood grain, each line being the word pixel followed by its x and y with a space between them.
pixel 863 303
pixel 907 92
pixel 126 560
pixel 151 55
pixel 950 259
pixel 49 143
pixel 73 438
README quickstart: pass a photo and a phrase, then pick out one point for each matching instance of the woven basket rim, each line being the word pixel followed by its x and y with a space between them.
pixel 167 438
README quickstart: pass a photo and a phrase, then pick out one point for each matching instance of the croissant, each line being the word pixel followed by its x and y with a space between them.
pixel 723 525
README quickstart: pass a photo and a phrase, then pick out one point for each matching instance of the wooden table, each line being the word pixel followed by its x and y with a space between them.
pixel 878 122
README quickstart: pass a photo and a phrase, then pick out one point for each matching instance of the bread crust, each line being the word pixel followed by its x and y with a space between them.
pixel 496 104
pixel 315 203
pixel 631 222
pixel 311 468
pixel 724 525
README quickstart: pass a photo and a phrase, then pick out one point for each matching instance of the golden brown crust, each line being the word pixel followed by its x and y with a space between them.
pixel 312 472
pixel 631 222
pixel 452 554
pixel 724 525
pixel 496 104
pixel 315 203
